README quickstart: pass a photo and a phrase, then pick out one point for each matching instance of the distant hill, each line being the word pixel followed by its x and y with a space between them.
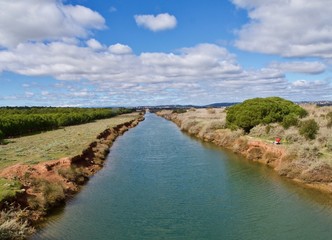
pixel 213 105
pixel 223 104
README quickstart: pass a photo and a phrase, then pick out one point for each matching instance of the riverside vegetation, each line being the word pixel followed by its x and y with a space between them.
pixel 250 129
pixel 40 171
pixel 17 121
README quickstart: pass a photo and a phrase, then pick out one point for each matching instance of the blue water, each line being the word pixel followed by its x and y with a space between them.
pixel 158 183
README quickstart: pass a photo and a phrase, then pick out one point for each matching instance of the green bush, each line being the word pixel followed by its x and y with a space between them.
pixel 9 189
pixel 309 129
pixel 179 110
pixel 290 120
pixel 257 111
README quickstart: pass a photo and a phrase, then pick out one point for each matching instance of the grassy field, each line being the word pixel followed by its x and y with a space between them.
pixel 50 145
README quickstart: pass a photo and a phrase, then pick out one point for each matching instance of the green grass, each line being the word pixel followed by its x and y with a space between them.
pixel 50 145
pixel 8 188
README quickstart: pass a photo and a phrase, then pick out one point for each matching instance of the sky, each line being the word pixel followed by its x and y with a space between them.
pixel 101 53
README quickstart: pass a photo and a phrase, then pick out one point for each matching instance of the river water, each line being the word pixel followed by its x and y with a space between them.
pixel 159 183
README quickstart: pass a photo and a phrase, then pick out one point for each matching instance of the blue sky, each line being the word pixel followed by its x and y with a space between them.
pixel 149 52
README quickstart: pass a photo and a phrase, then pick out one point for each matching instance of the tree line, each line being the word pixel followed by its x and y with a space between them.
pixel 17 121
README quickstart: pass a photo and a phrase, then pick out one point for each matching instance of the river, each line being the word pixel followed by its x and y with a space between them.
pixel 159 183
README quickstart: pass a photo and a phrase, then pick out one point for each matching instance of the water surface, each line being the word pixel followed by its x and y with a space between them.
pixel 159 183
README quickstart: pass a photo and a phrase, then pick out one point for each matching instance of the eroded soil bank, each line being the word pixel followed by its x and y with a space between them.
pixel 287 163
pixel 48 184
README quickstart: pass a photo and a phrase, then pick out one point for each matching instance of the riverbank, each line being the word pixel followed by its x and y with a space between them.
pixel 306 162
pixel 48 184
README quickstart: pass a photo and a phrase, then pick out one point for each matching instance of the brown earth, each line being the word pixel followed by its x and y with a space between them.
pixel 285 162
pixel 48 184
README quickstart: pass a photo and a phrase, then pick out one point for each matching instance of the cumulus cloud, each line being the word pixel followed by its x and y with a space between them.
pixel 114 75
pixel 300 67
pixel 320 89
pixel 290 28
pixel 119 49
pixel 160 22
pixel 38 20
pixel 118 63
pixel 94 44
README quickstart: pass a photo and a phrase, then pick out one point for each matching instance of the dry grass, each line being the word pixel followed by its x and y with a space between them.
pixel 65 142
pixel 204 121
pixel 14 225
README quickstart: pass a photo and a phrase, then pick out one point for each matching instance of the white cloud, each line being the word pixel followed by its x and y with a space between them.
pixel 38 20
pixel 118 63
pixel 119 49
pixel 309 84
pixel 290 28
pixel 94 44
pixel 160 22
pixel 300 67
pixel 115 75
pixel 312 90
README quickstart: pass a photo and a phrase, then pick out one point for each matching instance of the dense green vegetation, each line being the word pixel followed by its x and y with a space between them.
pixel 179 110
pixel 309 129
pixel 16 121
pixel 257 111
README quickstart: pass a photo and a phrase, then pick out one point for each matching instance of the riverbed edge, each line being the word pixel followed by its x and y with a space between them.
pixel 66 175
pixel 271 155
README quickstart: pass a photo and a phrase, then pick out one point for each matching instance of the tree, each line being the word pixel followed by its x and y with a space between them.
pixel 16 121
pixel 257 111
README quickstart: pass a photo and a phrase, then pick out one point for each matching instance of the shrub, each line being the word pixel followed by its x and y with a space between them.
pixel 72 173
pixel 52 192
pixel 267 129
pixel 179 110
pixel 309 129
pixel 13 225
pixel 290 120
pixel 9 189
pixel 257 111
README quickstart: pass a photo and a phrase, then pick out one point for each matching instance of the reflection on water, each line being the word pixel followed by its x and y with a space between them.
pixel 159 183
